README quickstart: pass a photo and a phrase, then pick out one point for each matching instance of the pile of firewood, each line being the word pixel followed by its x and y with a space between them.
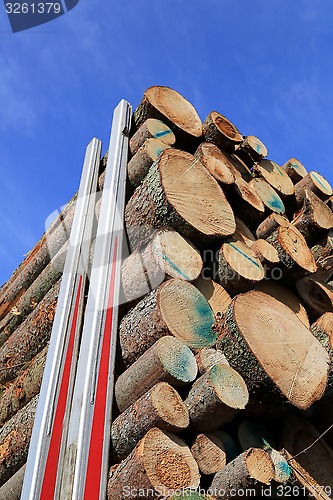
pixel 226 325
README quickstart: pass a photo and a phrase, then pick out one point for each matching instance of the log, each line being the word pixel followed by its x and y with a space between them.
pixel 270 225
pixel 140 163
pixel 323 416
pixel 11 490
pixel 23 389
pixel 275 176
pixel 176 308
pixel 246 202
pixel 14 440
pixel 243 233
pixel 165 254
pixel 296 258
pixel 295 170
pixel 160 463
pixel 29 338
pixel 240 169
pixel 316 296
pixel 322 329
pixel 195 206
pixel 207 358
pixel 216 162
pixel 314 219
pixel 251 150
pixel 287 297
pixel 219 130
pixel 237 267
pixel 36 260
pixel 151 129
pixel 265 252
pixel 195 495
pixel 160 407
pixel 216 296
pixel 314 182
pixel 268 195
pixel 229 444
pixel 216 398
pixel 168 360
pixel 209 453
pixel 298 434
pixel 252 466
pixel 323 248
pixel 33 296
pixel 167 105
pixel 280 373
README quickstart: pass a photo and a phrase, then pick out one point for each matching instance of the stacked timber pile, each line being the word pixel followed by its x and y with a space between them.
pixel 224 368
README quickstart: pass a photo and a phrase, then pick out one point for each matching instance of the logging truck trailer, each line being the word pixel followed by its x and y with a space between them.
pixel 69 450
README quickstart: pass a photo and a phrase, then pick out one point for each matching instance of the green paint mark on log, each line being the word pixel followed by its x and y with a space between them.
pixel 176 268
pixel 245 255
pixel 182 364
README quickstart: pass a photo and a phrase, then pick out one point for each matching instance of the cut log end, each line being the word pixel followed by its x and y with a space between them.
pixel 169 406
pixel 216 162
pixel 259 465
pixel 276 177
pixel 217 297
pixel 295 170
pixel 229 386
pixel 143 159
pixel 316 183
pixel 268 195
pixel 208 357
pixel 177 359
pixel 209 453
pixel 151 128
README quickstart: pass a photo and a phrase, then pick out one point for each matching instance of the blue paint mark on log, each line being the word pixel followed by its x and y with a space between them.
pixel 203 321
pixel 316 178
pixel 284 467
pixel 296 166
pixel 258 148
pixel 162 133
pixel 276 204
pixel 176 268
pixel 278 168
pixel 245 255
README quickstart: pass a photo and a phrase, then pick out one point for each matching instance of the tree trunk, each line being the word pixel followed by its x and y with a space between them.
pixel 179 192
pixel 314 219
pixel 216 398
pixel 316 183
pixel 261 347
pixel 252 466
pixel 139 165
pixel 270 225
pixel 217 297
pixel 323 248
pixel 14 440
pixel 176 308
pixel 216 162
pixel 151 129
pixel 316 296
pixel 268 195
pixel 251 150
pixel 246 202
pixel 209 453
pixel 11 490
pixel 160 462
pixel 208 357
pixel 219 130
pixel 24 388
pixel 29 338
pixel 168 360
pixel 295 170
pixel 276 177
pixel 167 105
pixel 166 253
pixel 160 407
pixel 237 267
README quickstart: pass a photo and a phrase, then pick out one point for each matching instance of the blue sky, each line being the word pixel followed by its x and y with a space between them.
pixel 266 65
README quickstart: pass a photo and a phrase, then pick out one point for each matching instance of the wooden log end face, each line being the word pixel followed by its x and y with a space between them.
pixel 260 465
pixel 170 406
pixel 229 386
pixel 177 359
pixel 295 245
pixel 225 126
pixel 243 260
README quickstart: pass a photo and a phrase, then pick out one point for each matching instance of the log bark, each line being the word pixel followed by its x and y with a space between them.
pixel 33 296
pixel 208 357
pixel 316 183
pixel 323 249
pixel 216 398
pixel 270 225
pixel 219 130
pixel 314 219
pixel 275 176
pixel 252 466
pixel 296 258
pixel 216 162
pixel 298 434
pixel 217 297
pixel 268 196
pixel 285 373
pixel 29 338
pixel 151 129
pixel 165 254
pixel 140 163
pixel 316 295
pixel 322 329
pixel 179 192
pixel 14 440
pixel 167 105
pixel 160 407
pixel 23 389
pixel 251 150
pixel 36 260
pixel 287 297
pixel 176 308
pixel 295 170
pixel 209 453
pixel 237 267
pixel 246 202
pixel 11 490
pixel 168 360
pixel 160 462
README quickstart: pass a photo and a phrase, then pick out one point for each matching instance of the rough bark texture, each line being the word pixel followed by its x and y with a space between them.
pixel 270 225
pixel 11 490
pixel 246 203
pixel 139 165
pixel 316 183
pixel 323 249
pixel 251 150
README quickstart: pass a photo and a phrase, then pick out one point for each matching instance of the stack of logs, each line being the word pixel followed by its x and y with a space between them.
pixel 224 379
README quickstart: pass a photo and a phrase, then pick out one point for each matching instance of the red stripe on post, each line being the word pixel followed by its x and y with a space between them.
pixel 51 468
pixel 95 457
